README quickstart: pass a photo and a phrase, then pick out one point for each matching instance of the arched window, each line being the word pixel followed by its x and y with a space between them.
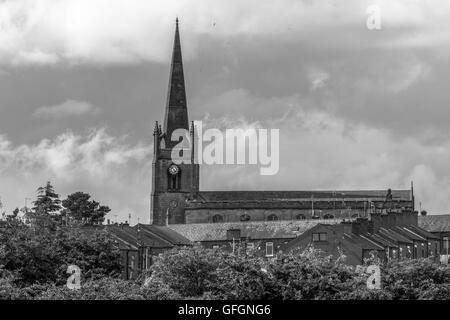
pixel 300 217
pixel 272 217
pixel 245 217
pixel 217 218
pixel 328 216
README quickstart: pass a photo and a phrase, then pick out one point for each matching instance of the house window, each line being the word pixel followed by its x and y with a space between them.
pixel 300 217
pixel 272 217
pixel 217 218
pixel 319 236
pixel 269 249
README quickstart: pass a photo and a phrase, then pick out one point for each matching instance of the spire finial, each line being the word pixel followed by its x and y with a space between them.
pixel 176 21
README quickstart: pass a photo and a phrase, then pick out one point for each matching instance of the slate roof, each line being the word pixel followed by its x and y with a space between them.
pixel 252 229
pixel 382 240
pixel 125 236
pixel 363 242
pixel 435 223
pixel 165 233
pixel 338 195
pixel 393 235
pixel 146 235
pixel 423 232
pixel 409 233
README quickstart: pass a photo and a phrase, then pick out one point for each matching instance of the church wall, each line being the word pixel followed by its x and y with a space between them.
pixel 234 215
pixel 169 202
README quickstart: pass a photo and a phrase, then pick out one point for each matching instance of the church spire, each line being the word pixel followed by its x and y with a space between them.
pixel 176 107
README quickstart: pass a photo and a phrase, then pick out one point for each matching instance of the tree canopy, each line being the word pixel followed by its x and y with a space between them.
pixel 80 208
pixel 47 201
pixel 40 253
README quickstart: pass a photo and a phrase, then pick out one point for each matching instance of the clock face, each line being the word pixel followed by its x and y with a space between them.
pixel 173 169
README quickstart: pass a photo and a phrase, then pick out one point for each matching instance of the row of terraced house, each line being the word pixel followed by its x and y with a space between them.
pixel 388 235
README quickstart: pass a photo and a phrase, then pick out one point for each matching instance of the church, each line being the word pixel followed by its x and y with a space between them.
pixel 356 222
pixel 176 198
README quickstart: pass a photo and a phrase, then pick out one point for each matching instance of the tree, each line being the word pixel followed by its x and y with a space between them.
pixel 81 209
pixel 41 253
pixel 47 200
pixel 16 212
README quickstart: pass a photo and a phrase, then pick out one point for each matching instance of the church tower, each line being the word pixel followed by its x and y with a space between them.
pixel 173 184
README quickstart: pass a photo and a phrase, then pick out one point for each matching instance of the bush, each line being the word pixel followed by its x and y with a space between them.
pixel 198 273
pixel 186 271
pixel 100 289
pixel 41 255
pixel 415 279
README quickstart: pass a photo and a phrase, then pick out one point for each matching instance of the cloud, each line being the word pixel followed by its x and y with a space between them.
pixel 318 78
pixel 321 150
pixel 113 171
pixel 355 108
pixel 318 150
pixel 67 109
pixel 46 32
pixel 34 58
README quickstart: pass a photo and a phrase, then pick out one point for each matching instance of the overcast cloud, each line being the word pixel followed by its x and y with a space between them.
pixel 82 82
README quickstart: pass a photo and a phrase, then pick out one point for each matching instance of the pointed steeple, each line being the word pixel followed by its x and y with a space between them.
pixel 176 106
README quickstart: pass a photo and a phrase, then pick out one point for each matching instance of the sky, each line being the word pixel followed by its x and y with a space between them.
pixel 83 81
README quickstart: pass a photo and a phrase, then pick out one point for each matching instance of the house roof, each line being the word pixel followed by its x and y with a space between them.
pixel 252 229
pixel 423 232
pixel 146 235
pixel 124 235
pixel 393 235
pixel 435 223
pixel 165 233
pixel 363 242
pixel 409 233
pixel 382 240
